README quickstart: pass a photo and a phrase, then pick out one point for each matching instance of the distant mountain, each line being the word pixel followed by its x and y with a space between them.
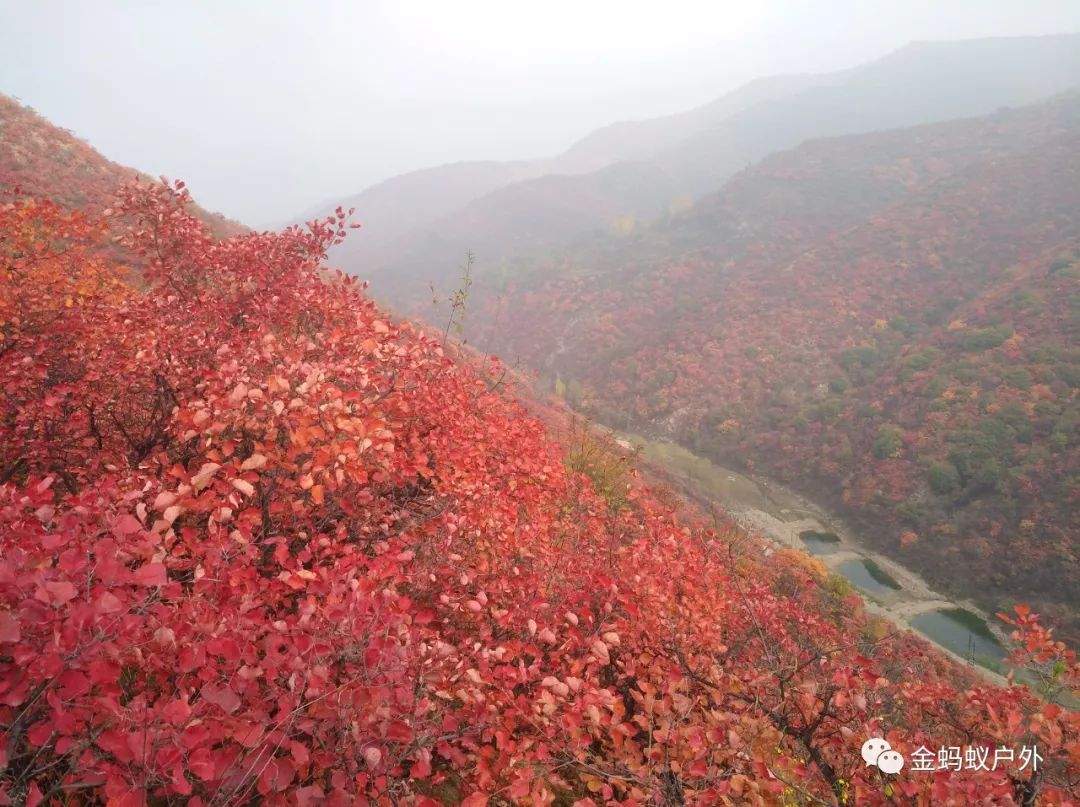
pixel 392 208
pixel 888 322
pixel 923 82
pixel 640 140
pixel 42 159
pixel 419 225
pixel 410 213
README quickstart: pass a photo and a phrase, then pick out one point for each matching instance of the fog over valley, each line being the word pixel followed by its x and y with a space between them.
pixel 268 109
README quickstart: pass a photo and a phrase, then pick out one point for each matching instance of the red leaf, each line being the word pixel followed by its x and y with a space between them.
pixel 180 783
pixel 299 753
pixel 276 776
pixel 421 768
pixel 150 575
pixel 192 657
pixel 201 764
pixel 223 697
pixel 424 616
pixel 34 796
pixel 73 684
pixel 519 788
pixel 195 735
pixel 40 733
pixel 399 731
pixel 309 796
pixel 9 627
pixel 228 649
pixel 126 525
pixel 115 743
pixel 132 798
pixel 58 594
pixel 177 712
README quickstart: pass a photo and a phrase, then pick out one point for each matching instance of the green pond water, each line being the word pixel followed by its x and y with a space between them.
pixel 868 576
pixel 964 633
pixel 820 543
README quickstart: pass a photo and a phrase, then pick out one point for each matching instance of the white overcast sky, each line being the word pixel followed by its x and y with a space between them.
pixel 266 108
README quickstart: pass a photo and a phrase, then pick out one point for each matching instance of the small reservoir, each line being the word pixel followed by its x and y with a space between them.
pixel 964 633
pixel 820 543
pixel 867 576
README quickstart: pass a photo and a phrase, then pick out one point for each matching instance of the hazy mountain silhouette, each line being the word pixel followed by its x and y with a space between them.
pixel 419 225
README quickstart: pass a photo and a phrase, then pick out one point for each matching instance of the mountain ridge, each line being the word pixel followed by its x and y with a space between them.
pixel 970 77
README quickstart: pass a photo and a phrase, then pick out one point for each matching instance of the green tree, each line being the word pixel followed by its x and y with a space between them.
pixel 889 442
pixel 944 478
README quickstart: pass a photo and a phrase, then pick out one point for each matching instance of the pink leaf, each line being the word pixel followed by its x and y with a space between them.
pixel 299 753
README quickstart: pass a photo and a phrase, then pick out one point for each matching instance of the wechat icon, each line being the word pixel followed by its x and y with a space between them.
pixel 877 751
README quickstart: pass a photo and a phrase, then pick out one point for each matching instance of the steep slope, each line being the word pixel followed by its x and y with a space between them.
pixel 885 321
pixel 45 161
pixel 666 163
pixel 258 543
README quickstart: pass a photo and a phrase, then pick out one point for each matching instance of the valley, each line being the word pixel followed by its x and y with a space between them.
pixel 787 519
pixel 864 299
pixel 861 318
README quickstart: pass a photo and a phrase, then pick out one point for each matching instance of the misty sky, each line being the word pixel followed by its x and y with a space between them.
pixel 267 108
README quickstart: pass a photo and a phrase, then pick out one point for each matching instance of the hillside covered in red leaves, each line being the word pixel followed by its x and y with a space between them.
pixel 887 322
pixel 259 543
pixel 45 161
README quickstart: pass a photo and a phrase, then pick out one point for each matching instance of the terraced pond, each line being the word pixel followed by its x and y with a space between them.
pixel 964 633
pixel 868 577
pixel 820 543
